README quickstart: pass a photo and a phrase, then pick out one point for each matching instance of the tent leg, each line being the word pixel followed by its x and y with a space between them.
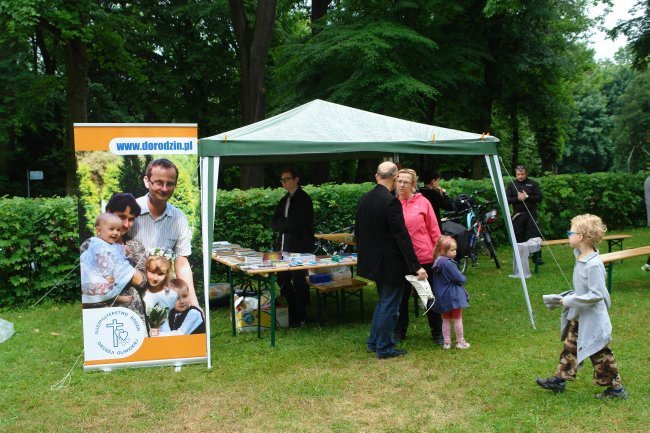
pixel 497 181
pixel 209 180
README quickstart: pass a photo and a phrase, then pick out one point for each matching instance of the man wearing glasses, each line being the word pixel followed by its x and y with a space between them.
pixel 161 225
pixel 293 219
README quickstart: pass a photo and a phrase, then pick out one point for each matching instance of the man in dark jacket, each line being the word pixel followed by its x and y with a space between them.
pixel 524 194
pixel 385 255
pixel 293 219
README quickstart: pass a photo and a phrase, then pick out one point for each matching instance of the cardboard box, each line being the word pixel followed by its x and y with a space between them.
pixel 246 320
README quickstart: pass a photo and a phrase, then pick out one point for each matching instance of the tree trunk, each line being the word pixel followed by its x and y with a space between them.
pixel 318 10
pixel 76 57
pixel 48 62
pixel 548 150
pixel 7 146
pixel 366 168
pixel 253 42
pixel 485 122
pixel 427 161
pixel 320 170
pixel 485 115
pixel 516 139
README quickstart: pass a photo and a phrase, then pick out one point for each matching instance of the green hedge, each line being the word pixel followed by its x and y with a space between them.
pixel 243 216
pixel 38 249
pixel 44 231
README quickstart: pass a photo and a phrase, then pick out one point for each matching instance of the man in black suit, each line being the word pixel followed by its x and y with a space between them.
pixel 385 255
pixel 294 221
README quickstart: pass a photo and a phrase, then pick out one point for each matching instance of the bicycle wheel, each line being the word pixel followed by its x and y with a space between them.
pixel 489 246
pixel 462 264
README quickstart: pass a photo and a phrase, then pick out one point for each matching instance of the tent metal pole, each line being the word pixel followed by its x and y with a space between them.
pixel 209 180
pixel 497 180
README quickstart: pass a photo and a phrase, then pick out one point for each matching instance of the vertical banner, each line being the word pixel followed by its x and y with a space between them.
pixel 139 206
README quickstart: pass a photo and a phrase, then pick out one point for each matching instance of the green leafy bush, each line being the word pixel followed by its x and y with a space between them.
pixel 38 249
pixel 618 198
pixel 243 216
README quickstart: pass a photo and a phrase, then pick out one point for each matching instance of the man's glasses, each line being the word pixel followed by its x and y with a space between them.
pixel 286 179
pixel 160 183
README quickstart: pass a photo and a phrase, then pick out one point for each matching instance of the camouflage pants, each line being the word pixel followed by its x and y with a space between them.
pixel 605 367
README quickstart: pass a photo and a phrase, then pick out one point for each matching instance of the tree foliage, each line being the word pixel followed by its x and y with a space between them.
pixel 519 70
pixel 637 32
pixel 632 132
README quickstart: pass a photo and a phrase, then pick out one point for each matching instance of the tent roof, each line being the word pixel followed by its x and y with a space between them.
pixel 324 130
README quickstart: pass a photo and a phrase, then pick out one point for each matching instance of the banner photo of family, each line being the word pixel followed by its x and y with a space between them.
pixel 139 211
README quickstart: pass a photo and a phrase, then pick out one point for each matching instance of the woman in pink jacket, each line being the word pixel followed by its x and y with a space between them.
pixel 424 230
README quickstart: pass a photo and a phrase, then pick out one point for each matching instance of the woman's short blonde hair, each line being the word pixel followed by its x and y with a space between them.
pixel 590 226
pixel 414 177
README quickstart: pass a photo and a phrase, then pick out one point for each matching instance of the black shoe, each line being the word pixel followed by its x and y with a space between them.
pixel 295 325
pixel 398 336
pixel 438 340
pixel 554 383
pixel 609 392
pixel 394 354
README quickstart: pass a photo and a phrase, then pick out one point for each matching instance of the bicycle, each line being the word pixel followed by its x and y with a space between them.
pixel 475 218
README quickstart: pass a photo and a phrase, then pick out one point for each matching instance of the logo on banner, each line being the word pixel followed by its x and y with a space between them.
pixel 153 145
pixel 111 333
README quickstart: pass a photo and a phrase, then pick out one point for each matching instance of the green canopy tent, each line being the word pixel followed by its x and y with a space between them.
pixel 321 130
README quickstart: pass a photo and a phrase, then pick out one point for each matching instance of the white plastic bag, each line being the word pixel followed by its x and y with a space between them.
pixel 423 289
pixel 6 330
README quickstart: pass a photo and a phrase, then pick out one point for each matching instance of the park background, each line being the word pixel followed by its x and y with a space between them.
pixel 522 71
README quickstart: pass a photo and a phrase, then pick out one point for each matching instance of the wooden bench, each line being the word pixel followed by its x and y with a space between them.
pixel 342 238
pixel 612 240
pixel 609 259
pixel 348 288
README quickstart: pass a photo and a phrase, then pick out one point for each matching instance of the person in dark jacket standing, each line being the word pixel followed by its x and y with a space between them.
pixel 293 219
pixel 524 194
pixel 385 255
pixel 436 195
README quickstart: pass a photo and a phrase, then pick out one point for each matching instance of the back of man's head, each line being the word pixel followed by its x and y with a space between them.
pixel 386 170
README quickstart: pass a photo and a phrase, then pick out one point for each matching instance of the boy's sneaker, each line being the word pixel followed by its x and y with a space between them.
pixel 554 383
pixel 614 393
pixel 462 344
pixel 645 267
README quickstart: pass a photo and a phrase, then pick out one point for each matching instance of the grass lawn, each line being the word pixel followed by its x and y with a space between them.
pixel 322 379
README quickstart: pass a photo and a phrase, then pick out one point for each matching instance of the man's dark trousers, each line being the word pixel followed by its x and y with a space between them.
pixel 384 318
pixel 294 288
